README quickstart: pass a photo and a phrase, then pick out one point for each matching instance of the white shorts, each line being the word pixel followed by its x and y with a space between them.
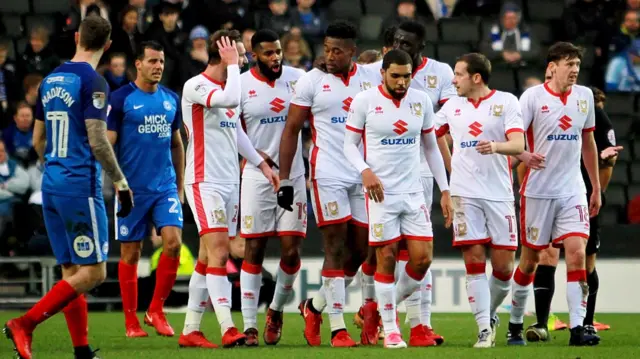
pixel 338 202
pixel 544 221
pixel 262 217
pixel 427 188
pixel 480 221
pixel 399 216
pixel 214 207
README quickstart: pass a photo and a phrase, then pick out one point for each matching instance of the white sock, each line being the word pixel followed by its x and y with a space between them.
pixel 367 283
pixel 386 298
pixel 408 284
pixel 400 265
pixel 197 303
pixel 577 292
pixel 426 297
pixel 250 283
pixel 284 286
pixel 412 304
pixel 499 290
pixel 479 299
pixel 335 296
pixel 319 301
pixel 220 293
pixel 522 284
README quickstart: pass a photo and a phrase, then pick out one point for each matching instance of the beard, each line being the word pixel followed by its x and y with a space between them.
pixel 394 94
pixel 268 72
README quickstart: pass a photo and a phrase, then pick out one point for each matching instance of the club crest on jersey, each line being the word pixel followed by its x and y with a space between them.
pixel 247 222
pixel 497 110
pixel 219 216
pixel 99 100
pixel 416 109
pixel 332 208
pixel 365 86
pixel 378 229
pixel 432 82
pixel 291 86
pixel 582 105
pixel 461 229
pixel 167 105
pixel 532 234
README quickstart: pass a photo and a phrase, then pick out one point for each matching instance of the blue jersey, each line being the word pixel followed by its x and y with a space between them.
pixel 69 95
pixel 145 123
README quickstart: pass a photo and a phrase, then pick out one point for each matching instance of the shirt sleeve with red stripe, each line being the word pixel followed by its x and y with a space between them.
pixel 441 122
pixel 357 114
pixel 513 122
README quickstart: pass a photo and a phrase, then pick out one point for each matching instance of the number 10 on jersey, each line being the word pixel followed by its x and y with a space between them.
pixel 59 133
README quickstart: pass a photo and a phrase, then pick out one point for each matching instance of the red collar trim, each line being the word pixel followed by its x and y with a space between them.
pixel 562 96
pixel 395 102
pixel 259 77
pixel 350 74
pixel 221 84
pixel 477 104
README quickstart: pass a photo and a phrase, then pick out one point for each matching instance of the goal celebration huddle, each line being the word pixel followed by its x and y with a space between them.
pixel 382 135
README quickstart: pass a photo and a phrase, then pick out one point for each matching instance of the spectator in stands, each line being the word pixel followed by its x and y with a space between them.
pixel 116 73
pixel 38 56
pixel 247 34
pixel 278 18
pixel 80 9
pixel 31 83
pixel 405 10
pixel 9 86
pixel 125 36
pixel 312 23
pixel 296 52
pixel 171 37
pixel 14 183
pixel 18 136
pixel 369 57
pixel 471 8
pixel 196 60
pixel 623 72
pixel 628 31
pixel 510 40
pixel 145 16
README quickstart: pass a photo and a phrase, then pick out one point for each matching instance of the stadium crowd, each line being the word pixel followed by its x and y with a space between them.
pixel 37 36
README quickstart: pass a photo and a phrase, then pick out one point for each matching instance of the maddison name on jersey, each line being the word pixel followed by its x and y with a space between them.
pixel 57 92
pixel 156 124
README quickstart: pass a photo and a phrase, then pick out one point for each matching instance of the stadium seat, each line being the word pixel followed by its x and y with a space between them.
pixel 635 172
pixel 616 195
pixel 636 150
pixel 341 10
pixel 433 34
pixel 633 190
pixel 460 30
pixel 50 6
pixel 541 32
pixel 450 52
pixel 545 10
pixel 14 6
pixel 619 103
pixel 624 156
pixel 383 8
pixel 49 22
pixel 621 126
pixel 503 80
pixel 11 48
pixel 609 216
pixel 429 51
pixel 584 77
pixel 370 26
pixel 21 45
pixel 13 24
pixel 620 175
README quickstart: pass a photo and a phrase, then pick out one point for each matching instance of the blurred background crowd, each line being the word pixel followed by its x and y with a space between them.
pixel 37 35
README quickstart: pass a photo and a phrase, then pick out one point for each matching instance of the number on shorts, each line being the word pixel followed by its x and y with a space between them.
pixel 511 220
pixel 302 210
pixel 583 212
pixel 59 133
pixel 174 205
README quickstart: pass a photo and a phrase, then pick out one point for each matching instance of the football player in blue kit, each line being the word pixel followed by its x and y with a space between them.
pixel 70 136
pixel 143 123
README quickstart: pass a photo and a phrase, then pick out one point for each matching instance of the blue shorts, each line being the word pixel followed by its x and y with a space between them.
pixel 160 209
pixel 77 228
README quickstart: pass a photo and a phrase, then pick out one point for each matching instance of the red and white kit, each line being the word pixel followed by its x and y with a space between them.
pixel 265 106
pixel 553 205
pixel 391 133
pixel 336 188
pixel 481 185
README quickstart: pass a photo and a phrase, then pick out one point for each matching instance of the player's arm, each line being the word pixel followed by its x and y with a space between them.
pixel 39 138
pixel 608 151
pixel 441 129
pixel 436 163
pixel 530 159
pixel 247 151
pixel 115 116
pixel 177 158
pixel 513 129
pixel 590 159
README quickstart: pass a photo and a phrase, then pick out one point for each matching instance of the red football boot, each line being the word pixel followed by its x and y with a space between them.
pixel 312 323
pixel 20 336
pixel 273 327
pixel 232 337
pixel 195 340
pixel 159 322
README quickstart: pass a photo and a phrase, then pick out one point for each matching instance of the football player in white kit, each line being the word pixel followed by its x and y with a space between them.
pixel 559 119
pixel 337 196
pixel 210 103
pixel 266 91
pixel 391 121
pixel 486 128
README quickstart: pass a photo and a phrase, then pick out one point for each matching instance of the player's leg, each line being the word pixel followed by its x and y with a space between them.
pixel 130 231
pixel 543 290
pixel 167 218
pixel 593 247
pixel 571 231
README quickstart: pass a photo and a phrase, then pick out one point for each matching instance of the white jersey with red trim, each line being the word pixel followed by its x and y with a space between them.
pixel 329 97
pixel 492 118
pixel 265 106
pixel 212 148
pixel 554 125
pixel 436 79
pixel 391 132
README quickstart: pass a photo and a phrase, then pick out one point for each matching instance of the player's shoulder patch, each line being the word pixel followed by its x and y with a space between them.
pixel 99 99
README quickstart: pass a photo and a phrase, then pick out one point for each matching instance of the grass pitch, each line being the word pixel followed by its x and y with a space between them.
pixel 106 330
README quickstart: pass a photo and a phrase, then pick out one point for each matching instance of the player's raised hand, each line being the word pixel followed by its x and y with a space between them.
pixel 285 195
pixel 228 51
pixel 372 186
pixel 532 160
pixel 273 178
pixel 486 147
pixel 125 197
pixel 610 152
pixel 447 208
pixel 595 202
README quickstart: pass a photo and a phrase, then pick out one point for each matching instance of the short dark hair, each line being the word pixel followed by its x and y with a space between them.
pixel 263 35
pixel 94 33
pixel 214 55
pixel 415 28
pixel 389 36
pixel 477 64
pixel 563 50
pixel 153 45
pixel 396 56
pixel 341 29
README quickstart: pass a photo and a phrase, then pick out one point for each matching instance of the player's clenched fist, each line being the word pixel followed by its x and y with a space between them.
pixel 372 186
pixel 125 197
pixel 228 51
